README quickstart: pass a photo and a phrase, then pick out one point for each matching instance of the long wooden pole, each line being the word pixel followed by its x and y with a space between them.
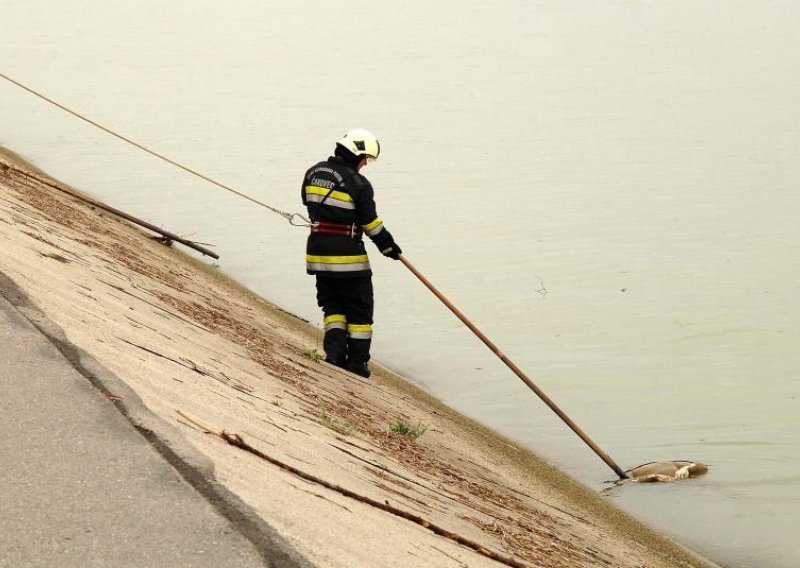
pixel 517 371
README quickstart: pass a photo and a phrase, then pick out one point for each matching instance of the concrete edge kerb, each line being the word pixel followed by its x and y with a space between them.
pixel 166 439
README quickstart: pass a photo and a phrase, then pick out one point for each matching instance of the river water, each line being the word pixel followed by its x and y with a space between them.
pixel 608 189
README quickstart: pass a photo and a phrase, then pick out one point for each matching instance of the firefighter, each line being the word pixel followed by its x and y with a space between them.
pixel 341 207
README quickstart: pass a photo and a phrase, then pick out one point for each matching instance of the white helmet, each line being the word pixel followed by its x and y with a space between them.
pixel 361 143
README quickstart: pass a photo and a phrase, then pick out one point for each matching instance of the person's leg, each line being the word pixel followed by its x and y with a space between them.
pixel 335 323
pixel 359 306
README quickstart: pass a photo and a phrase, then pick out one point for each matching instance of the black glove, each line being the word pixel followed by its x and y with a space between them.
pixel 392 252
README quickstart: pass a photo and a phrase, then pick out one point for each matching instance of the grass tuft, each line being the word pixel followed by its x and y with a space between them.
pixel 344 428
pixel 405 429
pixel 313 354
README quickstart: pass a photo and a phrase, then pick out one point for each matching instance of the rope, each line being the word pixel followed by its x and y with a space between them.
pixel 288 216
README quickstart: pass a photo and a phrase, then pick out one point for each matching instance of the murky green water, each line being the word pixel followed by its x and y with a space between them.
pixel 609 189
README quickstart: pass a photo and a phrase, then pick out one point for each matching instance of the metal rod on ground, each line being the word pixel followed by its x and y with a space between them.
pixel 119 213
pixel 517 371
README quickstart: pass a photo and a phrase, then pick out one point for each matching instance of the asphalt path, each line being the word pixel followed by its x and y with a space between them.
pixel 82 484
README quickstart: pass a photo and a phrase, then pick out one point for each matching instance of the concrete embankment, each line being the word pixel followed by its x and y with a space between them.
pixel 178 349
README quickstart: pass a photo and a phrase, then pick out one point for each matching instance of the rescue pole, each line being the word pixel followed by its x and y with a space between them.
pixel 517 371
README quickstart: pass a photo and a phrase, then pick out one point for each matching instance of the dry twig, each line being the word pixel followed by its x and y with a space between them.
pixel 236 440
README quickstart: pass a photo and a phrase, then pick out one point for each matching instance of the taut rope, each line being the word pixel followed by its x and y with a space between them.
pixel 288 216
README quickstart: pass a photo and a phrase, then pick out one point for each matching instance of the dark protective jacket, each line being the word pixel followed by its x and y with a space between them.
pixel 337 196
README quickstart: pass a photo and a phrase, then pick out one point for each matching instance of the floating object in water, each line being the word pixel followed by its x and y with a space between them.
pixel 665 471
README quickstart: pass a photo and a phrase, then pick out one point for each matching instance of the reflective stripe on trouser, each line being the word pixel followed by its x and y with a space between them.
pixel 352 263
pixel 359 331
pixel 335 321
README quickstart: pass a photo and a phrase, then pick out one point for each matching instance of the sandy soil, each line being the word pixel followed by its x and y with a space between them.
pixel 185 338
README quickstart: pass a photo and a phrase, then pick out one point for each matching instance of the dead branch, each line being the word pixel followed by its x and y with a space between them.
pixel 236 440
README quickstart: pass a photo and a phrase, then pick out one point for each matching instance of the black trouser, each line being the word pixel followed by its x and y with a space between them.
pixel 347 304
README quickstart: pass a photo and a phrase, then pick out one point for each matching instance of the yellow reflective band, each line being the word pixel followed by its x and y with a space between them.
pixel 340 195
pixel 359 328
pixel 337 259
pixel 370 226
pixel 335 318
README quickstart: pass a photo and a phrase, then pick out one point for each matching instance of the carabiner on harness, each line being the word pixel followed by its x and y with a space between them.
pixel 305 222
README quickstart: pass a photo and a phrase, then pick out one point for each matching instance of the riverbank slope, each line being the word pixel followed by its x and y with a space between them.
pixel 199 349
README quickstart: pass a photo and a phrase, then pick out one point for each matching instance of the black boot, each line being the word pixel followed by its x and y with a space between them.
pixel 358 344
pixel 335 346
pixel 336 362
pixel 360 369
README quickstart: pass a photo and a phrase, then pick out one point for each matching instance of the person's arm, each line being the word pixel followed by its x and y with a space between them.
pixel 368 220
